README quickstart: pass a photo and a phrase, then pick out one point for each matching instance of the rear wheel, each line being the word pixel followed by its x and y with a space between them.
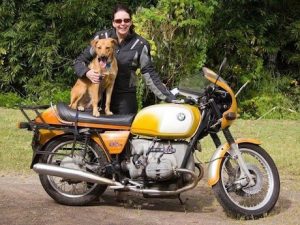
pixel 63 153
pixel 241 199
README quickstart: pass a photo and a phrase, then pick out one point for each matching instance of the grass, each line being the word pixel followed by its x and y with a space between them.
pixel 15 148
pixel 281 138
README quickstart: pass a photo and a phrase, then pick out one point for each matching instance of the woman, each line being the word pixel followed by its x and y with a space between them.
pixel 132 52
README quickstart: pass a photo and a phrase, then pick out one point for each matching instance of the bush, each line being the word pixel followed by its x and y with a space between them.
pixel 272 98
pixel 10 100
pixel 177 33
pixel 13 100
pixel 269 107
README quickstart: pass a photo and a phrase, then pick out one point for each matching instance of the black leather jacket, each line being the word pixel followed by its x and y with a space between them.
pixel 131 54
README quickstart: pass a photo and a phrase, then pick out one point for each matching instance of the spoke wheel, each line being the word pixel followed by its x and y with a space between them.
pixel 62 152
pixel 240 198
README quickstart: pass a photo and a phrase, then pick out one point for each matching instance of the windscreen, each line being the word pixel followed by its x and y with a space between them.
pixel 193 83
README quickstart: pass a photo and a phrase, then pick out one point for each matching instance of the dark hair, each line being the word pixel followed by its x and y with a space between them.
pixel 121 7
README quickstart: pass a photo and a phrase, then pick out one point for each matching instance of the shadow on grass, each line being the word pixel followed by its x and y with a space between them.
pixel 283 204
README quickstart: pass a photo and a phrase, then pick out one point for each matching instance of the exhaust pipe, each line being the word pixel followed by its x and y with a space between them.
pixel 58 171
pixel 156 193
pixel 52 170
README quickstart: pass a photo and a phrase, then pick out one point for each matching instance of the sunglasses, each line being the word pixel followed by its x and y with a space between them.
pixel 124 20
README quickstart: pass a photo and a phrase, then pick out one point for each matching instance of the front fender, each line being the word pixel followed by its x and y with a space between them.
pixel 215 161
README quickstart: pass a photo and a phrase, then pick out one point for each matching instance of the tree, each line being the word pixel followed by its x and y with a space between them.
pixel 261 41
pixel 177 32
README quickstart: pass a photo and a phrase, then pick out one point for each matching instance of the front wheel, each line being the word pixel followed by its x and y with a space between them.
pixel 79 156
pixel 240 199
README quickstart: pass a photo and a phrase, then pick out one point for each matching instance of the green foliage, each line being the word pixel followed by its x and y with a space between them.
pixel 276 99
pixel 270 107
pixel 140 90
pixel 261 40
pixel 10 100
pixel 176 30
pixel 39 40
pixel 13 100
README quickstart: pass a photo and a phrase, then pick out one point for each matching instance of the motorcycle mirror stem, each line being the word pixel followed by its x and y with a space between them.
pixel 220 68
pixel 222 65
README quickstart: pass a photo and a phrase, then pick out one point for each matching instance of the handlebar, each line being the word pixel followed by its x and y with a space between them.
pixel 190 101
pixel 191 97
pixel 194 98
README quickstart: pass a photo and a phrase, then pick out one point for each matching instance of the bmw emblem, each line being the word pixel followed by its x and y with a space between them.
pixel 181 116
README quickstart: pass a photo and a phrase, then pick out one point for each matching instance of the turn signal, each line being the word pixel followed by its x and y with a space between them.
pixel 23 125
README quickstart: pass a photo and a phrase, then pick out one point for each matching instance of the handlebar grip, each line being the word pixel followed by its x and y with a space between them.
pixel 180 101
pixel 189 101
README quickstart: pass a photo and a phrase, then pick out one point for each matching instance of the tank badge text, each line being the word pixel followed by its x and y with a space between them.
pixel 114 144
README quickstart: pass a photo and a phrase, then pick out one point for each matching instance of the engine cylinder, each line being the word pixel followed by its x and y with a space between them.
pixel 158 159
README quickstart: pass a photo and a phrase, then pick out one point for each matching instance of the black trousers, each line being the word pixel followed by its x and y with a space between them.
pixel 124 103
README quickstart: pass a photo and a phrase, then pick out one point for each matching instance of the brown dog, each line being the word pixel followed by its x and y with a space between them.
pixel 106 64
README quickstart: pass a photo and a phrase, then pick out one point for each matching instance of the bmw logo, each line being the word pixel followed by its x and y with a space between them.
pixel 181 116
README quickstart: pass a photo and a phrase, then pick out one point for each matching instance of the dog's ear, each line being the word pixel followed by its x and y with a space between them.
pixel 114 41
pixel 94 43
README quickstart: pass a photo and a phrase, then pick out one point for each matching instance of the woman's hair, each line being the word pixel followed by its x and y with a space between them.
pixel 121 7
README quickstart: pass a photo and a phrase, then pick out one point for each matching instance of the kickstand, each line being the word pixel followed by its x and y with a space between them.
pixel 182 203
pixel 180 200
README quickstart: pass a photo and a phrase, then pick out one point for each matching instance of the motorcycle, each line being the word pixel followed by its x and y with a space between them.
pixel 77 156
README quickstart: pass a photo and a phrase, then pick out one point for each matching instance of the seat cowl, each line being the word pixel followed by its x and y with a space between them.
pixel 72 115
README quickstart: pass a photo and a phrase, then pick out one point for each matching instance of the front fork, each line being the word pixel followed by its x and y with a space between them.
pixel 245 179
pixel 231 147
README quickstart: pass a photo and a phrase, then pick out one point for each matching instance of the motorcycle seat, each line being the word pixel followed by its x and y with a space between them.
pixel 72 115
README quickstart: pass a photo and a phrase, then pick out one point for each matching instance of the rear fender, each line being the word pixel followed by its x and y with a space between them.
pixel 215 161
pixel 46 140
pixel 40 142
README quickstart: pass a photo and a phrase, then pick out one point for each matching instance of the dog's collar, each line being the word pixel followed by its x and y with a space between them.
pixel 108 66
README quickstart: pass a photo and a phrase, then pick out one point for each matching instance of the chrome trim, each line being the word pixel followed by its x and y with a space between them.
pixel 58 171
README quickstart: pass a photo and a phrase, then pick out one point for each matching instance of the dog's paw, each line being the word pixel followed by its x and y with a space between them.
pixel 96 114
pixel 108 112
pixel 80 108
pixel 72 106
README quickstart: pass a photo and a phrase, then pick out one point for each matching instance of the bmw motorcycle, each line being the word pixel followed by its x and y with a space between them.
pixel 78 156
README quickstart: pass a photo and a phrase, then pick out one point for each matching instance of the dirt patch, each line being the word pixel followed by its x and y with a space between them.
pixel 23 201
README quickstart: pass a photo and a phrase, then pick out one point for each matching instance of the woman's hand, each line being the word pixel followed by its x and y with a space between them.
pixel 93 76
